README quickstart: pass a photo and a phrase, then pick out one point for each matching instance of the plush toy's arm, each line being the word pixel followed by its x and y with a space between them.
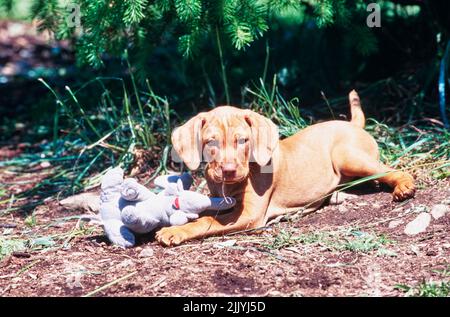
pixel 109 213
pixel 111 185
pixel 142 217
pixel 118 233
pixel 133 191
pixel 192 202
pixel 187 205
pixel 179 218
pixel 220 204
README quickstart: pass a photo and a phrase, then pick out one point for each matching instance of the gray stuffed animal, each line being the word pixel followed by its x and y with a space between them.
pixel 128 207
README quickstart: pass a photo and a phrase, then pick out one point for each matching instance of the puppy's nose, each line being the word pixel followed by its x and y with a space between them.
pixel 229 170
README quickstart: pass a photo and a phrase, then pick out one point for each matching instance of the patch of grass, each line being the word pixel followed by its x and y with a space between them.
pixel 426 289
pixel 92 134
pixel 8 246
pixel 282 240
pixel 444 273
pixel 30 221
pixel 358 241
pixel 3 191
pixel 346 239
pixel 269 101
pixel 288 237
pixel 409 146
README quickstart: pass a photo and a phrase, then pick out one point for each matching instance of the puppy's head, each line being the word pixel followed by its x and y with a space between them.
pixel 228 139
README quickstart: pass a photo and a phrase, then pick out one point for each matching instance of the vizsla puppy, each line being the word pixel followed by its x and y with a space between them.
pixel 268 177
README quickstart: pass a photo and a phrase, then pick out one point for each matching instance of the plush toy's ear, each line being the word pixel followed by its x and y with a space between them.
pixel 180 187
pixel 174 189
pixel 171 189
pixel 264 137
pixel 164 181
pixel 187 142
pixel 131 190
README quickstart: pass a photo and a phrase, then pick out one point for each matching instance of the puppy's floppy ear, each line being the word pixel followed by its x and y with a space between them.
pixel 264 138
pixel 187 141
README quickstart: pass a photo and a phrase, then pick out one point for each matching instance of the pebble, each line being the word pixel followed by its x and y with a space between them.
pixel 249 254
pixel 439 210
pixel 419 209
pixel 419 224
pixel 125 263
pixel 395 223
pixel 225 244
pixel 278 272
pixel 146 253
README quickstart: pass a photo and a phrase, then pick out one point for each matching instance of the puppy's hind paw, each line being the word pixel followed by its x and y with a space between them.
pixel 404 191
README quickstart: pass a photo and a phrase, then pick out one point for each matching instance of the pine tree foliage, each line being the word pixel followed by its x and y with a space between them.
pixel 134 11
pixel 48 13
pixel 6 5
pixel 112 26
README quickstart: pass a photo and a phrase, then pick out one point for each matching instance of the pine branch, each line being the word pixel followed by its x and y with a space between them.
pixel 134 12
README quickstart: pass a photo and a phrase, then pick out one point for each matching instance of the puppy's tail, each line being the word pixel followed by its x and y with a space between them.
pixel 358 117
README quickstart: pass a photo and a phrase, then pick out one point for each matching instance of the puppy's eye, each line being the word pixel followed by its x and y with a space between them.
pixel 212 142
pixel 242 141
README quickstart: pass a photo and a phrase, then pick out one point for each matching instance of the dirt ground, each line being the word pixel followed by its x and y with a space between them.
pixel 357 248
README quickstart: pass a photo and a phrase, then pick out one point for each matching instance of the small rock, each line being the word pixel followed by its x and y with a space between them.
pixel 446 201
pixel 376 206
pixel 32 276
pixel 419 209
pixel 419 224
pixel 342 208
pixel 278 272
pixel 125 264
pixel 291 280
pixel 439 210
pixel 45 164
pixel 338 198
pixel 225 244
pixel 249 254
pixel 146 253
pixel 395 223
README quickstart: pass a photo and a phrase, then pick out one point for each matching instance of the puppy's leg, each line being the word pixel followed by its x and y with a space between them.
pixel 248 214
pixel 357 163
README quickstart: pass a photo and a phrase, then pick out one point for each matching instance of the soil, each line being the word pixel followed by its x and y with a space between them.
pixel 246 265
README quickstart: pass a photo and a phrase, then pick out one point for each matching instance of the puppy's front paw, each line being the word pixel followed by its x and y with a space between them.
pixel 404 191
pixel 171 236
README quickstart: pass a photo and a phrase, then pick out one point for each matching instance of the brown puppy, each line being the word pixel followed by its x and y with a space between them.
pixel 269 177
